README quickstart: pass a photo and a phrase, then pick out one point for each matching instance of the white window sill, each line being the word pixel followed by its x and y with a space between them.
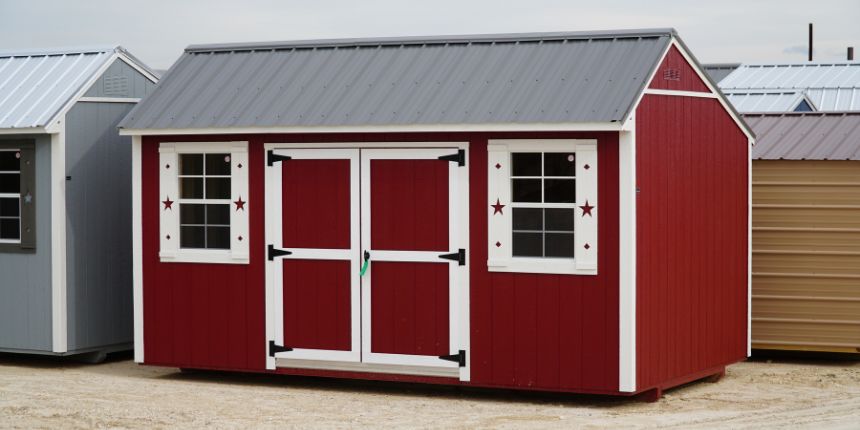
pixel 203 256
pixel 541 265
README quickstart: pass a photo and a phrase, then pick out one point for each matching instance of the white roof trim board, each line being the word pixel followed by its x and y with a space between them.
pixel 832 86
pixel 37 85
pixel 508 79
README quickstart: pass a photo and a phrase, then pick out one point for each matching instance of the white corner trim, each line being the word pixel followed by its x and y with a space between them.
pixel 680 93
pixel 749 248
pixel 59 310
pixel 627 259
pixel 396 128
pixel 108 100
pixel 137 244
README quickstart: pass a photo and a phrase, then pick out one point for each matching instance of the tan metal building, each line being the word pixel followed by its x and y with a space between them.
pixel 806 231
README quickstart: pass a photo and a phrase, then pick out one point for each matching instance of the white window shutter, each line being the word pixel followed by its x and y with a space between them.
pixel 239 191
pixel 498 192
pixel 585 226
pixel 168 194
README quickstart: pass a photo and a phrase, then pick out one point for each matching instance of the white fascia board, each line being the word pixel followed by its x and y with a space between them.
pixel 628 122
pixel 411 128
pixel 59 310
pixel 54 124
pixel 108 100
pixel 137 245
pixel 23 130
pixel 136 66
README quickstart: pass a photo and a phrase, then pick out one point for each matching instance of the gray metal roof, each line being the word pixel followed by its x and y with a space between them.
pixel 486 79
pixel 806 136
pixel 767 100
pixel 833 86
pixel 718 71
pixel 36 84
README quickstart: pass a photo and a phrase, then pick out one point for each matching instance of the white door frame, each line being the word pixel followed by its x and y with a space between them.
pixel 454 244
pixel 464 333
pixel 274 269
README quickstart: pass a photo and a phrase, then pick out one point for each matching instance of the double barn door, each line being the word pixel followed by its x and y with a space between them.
pixel 364 258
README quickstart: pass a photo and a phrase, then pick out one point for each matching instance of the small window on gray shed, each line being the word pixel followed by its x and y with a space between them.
pixel 17 196
pixel 803 106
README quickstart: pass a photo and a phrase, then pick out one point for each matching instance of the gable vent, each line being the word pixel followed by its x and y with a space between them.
pixel 672 75
pixel 116 86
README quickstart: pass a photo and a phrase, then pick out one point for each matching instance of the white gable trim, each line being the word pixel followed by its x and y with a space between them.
pixel 137 66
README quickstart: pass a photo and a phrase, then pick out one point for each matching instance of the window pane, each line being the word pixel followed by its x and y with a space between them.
pixel 218 237
pixel 559 219
pixel 192 214
pixel 559 245
pixel 559 164
pixel 528 245
pixel 217 188
pixel 192 237
pixel 217 214
pixel 10 229
pixel 217 164
pixel 559 190
pixel 528 219
pixel 10 183
pixel 191 188
pixel 525 164
pixel 9 207
pixel 526 190
pixel 10 161
pixel 190 164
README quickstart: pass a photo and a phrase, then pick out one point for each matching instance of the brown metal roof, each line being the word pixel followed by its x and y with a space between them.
pixel 806 136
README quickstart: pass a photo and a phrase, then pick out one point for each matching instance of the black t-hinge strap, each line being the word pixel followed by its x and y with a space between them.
pixel 459 257
pixel 274 349
pixel 272 158
pixel 274 252
pixel 459 157
pixel 459 358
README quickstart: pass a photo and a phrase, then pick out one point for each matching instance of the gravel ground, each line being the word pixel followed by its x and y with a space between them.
pixel 38 392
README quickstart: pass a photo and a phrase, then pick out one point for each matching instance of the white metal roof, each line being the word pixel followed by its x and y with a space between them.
pixel 35 85
pixel 833 86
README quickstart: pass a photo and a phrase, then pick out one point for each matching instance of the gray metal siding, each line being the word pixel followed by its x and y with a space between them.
pixel 555 79
pixel 25 278
pixel 121 80
pixel 98 227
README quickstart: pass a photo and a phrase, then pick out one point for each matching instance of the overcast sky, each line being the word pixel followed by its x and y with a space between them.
pixel 156 31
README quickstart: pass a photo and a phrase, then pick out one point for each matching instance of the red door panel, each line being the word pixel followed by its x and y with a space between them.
pixel 409 308
pixel 317 304
pixel 409 205
pixel 316 204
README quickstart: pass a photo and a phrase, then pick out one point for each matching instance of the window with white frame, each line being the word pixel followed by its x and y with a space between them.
pixel 542 215
pixel 204 202
pixel 17 199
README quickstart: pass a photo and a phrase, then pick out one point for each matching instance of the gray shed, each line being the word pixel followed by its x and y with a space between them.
pixel 65 207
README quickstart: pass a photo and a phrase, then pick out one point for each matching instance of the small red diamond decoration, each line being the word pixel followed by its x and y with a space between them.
pixel 498 244
pixel 168 204
pixel 587 246
pixel 239 165
pixel 586 167
pixel 240 238
pixel 166 166
pixel 167 237
pixel 498 166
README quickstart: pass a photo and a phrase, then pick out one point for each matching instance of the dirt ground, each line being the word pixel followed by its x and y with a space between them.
pixel 40 392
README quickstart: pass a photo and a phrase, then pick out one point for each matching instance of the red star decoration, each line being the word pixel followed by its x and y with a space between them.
pixel 586 210
pixel 168 204
pixel 497 208
pixel 239 204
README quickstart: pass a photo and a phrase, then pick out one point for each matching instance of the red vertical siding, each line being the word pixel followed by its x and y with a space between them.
pixel 554 332
pixel 691 238
pixel 676 74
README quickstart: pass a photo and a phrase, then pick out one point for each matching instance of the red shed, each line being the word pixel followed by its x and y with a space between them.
pixel 553 211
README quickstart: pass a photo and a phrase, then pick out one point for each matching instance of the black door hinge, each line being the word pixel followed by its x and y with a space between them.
pixel 274 349
pixel 459 358
pixel 274 252
pixel 459 157
pixel 272 158
pixel 459 257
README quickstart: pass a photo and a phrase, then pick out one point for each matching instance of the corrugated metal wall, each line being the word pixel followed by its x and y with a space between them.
pixel 806 255
pixel 25 278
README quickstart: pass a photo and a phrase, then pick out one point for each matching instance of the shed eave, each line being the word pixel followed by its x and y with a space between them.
pixel 394 128
pixel 23 130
